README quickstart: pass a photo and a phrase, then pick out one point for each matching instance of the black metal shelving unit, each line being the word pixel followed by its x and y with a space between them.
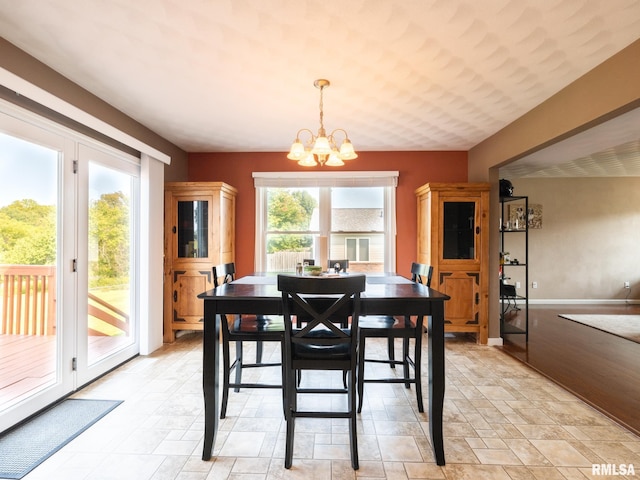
pixel 514 232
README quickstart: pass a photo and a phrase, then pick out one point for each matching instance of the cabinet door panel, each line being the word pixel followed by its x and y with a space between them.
pixel 187 284
pixel 191 219
pixel 459 237
pixel 459 230
pixel 463 288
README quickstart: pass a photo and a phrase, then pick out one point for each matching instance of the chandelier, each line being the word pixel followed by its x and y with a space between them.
pixel 321 148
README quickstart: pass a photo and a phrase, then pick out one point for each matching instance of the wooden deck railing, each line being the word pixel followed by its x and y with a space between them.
pixel 28 299
pixel 28 303
pixel 107 313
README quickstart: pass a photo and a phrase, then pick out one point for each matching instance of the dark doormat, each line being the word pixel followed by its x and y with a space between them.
pixel 30 444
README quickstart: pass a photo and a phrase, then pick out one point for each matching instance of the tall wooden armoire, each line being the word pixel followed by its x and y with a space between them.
pixel 199 232
pixel 453 237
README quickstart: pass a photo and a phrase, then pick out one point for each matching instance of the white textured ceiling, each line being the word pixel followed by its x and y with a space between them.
pixel 611 149
pixel 237 75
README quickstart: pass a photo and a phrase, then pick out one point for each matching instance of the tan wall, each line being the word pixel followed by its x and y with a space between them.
pixel 610 89
pixel 28 68
pixel 589 243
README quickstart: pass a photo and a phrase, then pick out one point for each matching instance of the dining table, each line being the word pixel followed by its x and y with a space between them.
pixel 385 294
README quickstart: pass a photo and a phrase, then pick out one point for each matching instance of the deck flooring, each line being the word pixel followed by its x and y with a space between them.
pixel 28 363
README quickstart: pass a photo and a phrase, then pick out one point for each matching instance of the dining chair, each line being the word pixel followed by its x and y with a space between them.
pixel 245 328
pixel 340 266
pixel 406 328
pixel 321 345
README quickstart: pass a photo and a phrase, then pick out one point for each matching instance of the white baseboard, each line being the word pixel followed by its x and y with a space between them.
pixel 583 301
pixel 495 341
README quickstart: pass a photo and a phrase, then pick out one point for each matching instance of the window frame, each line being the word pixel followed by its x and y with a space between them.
pixel 265 180
pixel 357 241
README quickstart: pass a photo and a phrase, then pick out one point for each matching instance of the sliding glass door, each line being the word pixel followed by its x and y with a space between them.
pixel 32 280
pixel 68 263
pixel 107 261
pixel 109 199
pixel 110 269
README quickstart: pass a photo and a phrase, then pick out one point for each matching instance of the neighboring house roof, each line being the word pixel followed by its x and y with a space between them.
pixel 357 219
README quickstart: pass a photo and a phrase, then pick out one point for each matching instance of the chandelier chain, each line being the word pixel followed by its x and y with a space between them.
pixel 321 108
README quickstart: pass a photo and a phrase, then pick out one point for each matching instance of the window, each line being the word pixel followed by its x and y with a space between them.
pixel 357 249
pixel 324 215
pixel 292 227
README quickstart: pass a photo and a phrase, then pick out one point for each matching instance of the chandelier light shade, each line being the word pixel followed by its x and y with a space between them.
pixel 321 148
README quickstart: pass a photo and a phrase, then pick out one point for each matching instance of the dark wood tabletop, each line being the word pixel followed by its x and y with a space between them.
pixel 384 295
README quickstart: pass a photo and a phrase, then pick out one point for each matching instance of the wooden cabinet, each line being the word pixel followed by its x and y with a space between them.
pixel 199 232
pixel 453 237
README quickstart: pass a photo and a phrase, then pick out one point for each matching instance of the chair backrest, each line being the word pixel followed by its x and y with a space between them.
pixel 339 265
pixel 309 261
pixel 319 299
pixel 226 271
pixel 421 273
pixel 507 289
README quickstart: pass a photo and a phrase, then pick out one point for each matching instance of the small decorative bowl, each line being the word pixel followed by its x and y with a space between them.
pixel 314 270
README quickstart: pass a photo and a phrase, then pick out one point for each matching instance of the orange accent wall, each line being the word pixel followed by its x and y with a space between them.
pixel 415 169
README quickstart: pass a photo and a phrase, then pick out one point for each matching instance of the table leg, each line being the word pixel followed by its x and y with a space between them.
pixel 435 338
pixel 210 380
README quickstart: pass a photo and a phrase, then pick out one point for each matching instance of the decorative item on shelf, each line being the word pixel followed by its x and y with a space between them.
pixel 517 217
pixel 534 215
pixel 322 147
pixel 506 188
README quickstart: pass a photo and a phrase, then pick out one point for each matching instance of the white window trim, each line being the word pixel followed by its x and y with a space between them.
pixel 387 179
pixel 326 179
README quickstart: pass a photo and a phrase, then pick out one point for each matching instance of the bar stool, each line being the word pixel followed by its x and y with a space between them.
pixel 405 327
pixel 245 328
pixel 320 345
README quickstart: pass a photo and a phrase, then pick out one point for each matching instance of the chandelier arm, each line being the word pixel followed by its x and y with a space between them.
pixel 344 132
pixel 311 140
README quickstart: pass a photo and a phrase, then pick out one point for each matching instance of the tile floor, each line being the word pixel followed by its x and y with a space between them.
pixel 502 421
